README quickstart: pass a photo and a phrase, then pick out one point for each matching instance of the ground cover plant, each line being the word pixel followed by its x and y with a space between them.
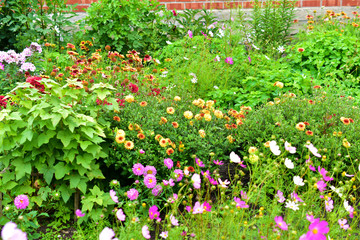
pixel 215 136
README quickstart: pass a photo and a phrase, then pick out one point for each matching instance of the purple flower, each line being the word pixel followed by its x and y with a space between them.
pixel 212 181
pixel 217 162
pixel 178 174
pixel 296 197
pixel 153 212
pixel 321 185
pixel 310 218
pixel 138 169
pixel 141 151
pixel 229 60
pixel 199 162
pixel 10 231
pixel 188 208
pixel 207 207
pixel 206 174
pixel 156 190
pixel 113 196
pixel 312 168
pixel 280 196
pixel 78 213
pixel 150 181
pixel 132 194
pixel 243 195
pixel 240 204
pixel 198 208
pixel 249 59
pixel 150 170
pixel 120 215
pixel 21 202
pixel 190 34
pixel 168 163
pixel 281 223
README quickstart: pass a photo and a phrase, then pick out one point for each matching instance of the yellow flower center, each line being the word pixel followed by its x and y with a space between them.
pixel 150 180
pixel 315 231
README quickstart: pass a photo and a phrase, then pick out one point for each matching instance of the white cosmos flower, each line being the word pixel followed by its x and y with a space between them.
pixel 186 58
pixel 289 164
pixel 346 205
pixel 289 148
pixel 168 42
pixel 216 87
pixel 274 148
pixel 281 49
pixel 223 184
pixel 157 61
pixel 336 190
pixel 292 205
pixel 234 158
pixel 298 181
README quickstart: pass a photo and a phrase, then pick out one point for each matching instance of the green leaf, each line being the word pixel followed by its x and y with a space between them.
pixel 60 170
pixel 55 119
pixel 84 144
pixel 74 180
pixel 82 186
pixel 45 137
pixel 65 192
pixel 65 137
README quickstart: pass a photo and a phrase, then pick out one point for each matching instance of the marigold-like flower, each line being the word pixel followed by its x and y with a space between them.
pixel 129 145
pixel 120 138
pixel 317 87
pixel 143 103
pixel 131 127
pixel 116 118
pixel 207 117
pixel 218 114
pixel 230 139
pixel 175 124
pixel 202 133
pixel 346 143
pixel 170 110
pixel 158 137
pixel 141 136
pixel 169 151
pixel 345 121
pixel 163 120
pixel 301 49
pixel 300 126
pixel 129 98
pixel 267 144
pixel 279 84
pixel 309 133
pixel 177 98
pixel 163 142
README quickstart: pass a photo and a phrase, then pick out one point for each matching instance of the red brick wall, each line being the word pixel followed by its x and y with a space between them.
pixel 225 4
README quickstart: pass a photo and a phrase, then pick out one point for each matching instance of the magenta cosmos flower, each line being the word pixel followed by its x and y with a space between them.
pixel 156 190
pixel 178 174
pixel 150 170
pixel 145 232
pixel 281 223
pixel 229 60
pixel 78 213
pixel 21 202
pixel 10 231
pixel 113 196
pixel 240 204
pixel 150 181
pixel 199 162
pixel 132 194
pixel 190 34
pixel 317 230
pixel 321 185
pixel 168 163
pixel 153 212
pixel 138 169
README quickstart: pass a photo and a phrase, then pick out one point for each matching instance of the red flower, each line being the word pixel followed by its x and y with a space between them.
pixel 3 102
pixel 133 88
pixel 34 82
pixel 178 164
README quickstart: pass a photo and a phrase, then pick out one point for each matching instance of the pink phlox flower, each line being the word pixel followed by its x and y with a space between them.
pixel 313 150
pixel 196 181
pixel 321 185
pixel 171 182
pixel 243 195
pixel 164 234
pixel 138 169
pixel 141 151
pixel 150 170
pixel 113 196
pixel 281 223
pixel 296 197
pixel 229 60
pixel 153 212
pixel 145 232
pixel 217 162
pixel 207 207
pixel 21 202
pixel 10 231
pixel 168 163
pixel 120 215
pixel 310 218
pixel 174 221
pixel 223 184
pixel 312 168
pixel 323 173
pixel 240 204
pixel 343 224
pixel 198 208
pixel 280 196
pixel 199 162
pixel 317 229
pixel 173 198
pixel 178 174
pixel 329 205
pixel 190 34
pixel 289 148
pixel 132 194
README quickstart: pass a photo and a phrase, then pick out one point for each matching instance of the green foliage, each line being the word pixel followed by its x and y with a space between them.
pixel 54 136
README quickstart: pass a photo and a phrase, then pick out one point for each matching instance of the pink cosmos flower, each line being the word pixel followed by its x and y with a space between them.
pixel 323 173
pixel 281 223
pixel 138 169
pixel 145 232
pixel 289 148
pixel 113 196
pixel 164 234
pixel 206 174
pixel 321 185
pixel 212 181
pixel 141 151
pixel 198 208
pixel 312 168
pixel 120 215
pixel 196 181
pixel 174 221
pixel 296 197
pixel 249 58
pixel 207 207
pixel 150 170
pixel 10 231
pixel 107 234
pixel 217 162
pixel 78 213
pixel 153 212
pixel 280 196
pixel 2 67
pixel 178 174
pixel 229 60
pixel 21 202
pixel 156 190
pixel 343 224
pixel 132 194
pixel 150 181
pixel 190 34
pixel 168 163
pixel 223 184
pixel 199 162
pixel 243 195
pixel 188 208
pixel 313 150
pixel 310 218
pixel 240 204
pixel 317 230
pixel 329 205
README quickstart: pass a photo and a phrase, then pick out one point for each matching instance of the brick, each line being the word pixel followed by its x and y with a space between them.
pixel 229 5
pixel 247 4
pixel 166 1
pixel 177 6
pixel 194 5
pixel 313 3
pixel 81 8
pixel 214 5
pixel 328 3
pixel 351 2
